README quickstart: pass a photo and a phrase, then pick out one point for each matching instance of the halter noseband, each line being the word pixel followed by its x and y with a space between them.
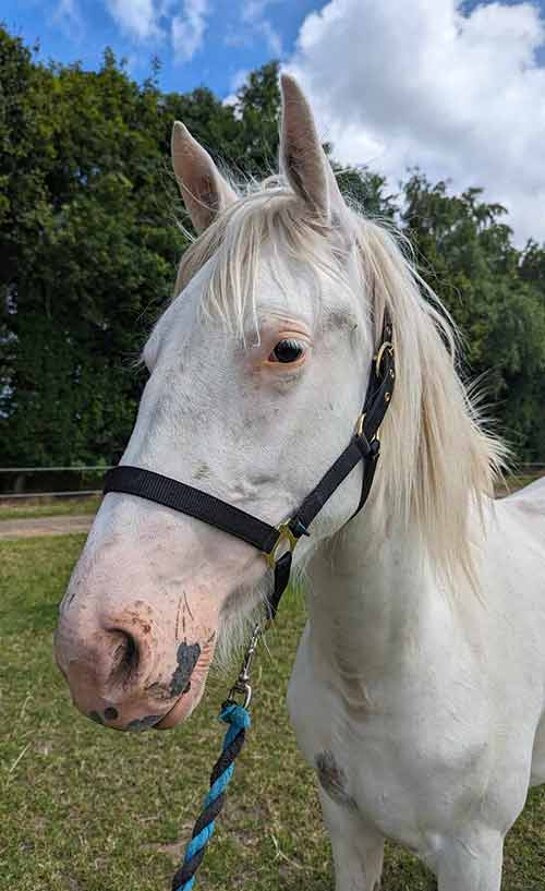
pixel 277 543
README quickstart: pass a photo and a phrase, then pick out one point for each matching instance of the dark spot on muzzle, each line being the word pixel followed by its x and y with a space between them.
pixel 186 658
pixel 110 713
pixel 333 779
pixel 140 724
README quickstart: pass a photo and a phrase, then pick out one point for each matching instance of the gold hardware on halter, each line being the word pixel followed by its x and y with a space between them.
pixel 387 345
pixel 285 541
pixel 242 686
pixel 358 429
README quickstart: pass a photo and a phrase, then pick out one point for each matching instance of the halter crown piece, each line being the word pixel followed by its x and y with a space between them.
pixel 277 544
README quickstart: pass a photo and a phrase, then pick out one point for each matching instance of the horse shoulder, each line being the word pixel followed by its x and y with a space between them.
pixel 530 499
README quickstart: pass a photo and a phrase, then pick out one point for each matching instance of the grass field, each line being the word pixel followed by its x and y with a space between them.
pixel 87 809
pixel 54 507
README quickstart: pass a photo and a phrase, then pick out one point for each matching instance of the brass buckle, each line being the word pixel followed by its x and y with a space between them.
pixel 358 427
pixel 384 347
pixel 285 541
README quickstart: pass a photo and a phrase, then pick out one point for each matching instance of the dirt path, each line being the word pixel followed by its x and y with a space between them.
pixel 27 528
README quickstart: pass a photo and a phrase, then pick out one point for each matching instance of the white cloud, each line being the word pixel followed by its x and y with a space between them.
pixel 253 22
pixel 145 20
pixel 67 16
pixel 238 80
pixel 398 84
pixel 137 18
pixel 271 37
pixel 188 29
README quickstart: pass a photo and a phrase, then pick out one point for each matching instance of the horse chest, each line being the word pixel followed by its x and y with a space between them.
pixel 408 771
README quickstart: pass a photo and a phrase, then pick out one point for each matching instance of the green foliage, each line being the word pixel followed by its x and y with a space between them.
pixel 495 293
pixel 89 246
pixel 88 252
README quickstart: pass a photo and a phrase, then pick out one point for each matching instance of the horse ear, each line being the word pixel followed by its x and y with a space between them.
pixel 302 158
pixel 204 191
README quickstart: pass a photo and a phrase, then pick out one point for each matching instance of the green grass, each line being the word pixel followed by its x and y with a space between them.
pixel 89 505
pixel 83 808
pixel 65 507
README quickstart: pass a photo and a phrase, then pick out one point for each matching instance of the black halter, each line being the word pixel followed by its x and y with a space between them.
pixel 277 543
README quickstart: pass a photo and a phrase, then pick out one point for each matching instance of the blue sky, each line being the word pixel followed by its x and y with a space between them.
pixel 238 35
pixel 454 87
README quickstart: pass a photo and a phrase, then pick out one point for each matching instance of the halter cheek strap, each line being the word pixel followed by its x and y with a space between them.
pixel 277 543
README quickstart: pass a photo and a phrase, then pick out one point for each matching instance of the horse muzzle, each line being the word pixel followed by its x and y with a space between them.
pixel 130 672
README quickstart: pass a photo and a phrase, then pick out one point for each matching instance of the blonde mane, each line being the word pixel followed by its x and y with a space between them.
pixel 437 462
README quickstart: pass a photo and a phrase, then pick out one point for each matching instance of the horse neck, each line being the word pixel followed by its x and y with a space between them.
pixel 370 598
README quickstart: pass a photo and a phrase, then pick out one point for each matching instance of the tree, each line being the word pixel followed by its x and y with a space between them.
pixel 464 249
pixel 89 247
pixel 88 254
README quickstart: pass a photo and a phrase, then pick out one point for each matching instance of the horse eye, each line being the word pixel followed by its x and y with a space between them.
pixel 287 351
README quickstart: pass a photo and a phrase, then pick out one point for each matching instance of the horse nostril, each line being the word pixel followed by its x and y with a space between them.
pixel 126 655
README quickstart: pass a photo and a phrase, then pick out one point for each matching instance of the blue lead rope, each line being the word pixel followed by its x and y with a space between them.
pixel 238 719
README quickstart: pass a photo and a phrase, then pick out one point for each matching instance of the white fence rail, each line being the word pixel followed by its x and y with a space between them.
pixel 77 493
pixel 33 482
pixel 99 467
pixel 18 489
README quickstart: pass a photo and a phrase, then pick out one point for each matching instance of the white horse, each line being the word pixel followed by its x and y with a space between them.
pixel 418 690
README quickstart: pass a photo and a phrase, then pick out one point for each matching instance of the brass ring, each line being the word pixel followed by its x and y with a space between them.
pixel 384 347
pixel 286 538
pixel 358 427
